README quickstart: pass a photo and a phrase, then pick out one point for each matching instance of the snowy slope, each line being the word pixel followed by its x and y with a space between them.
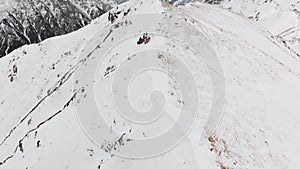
pixel 40 93
pixel 279 17
pixel 262 123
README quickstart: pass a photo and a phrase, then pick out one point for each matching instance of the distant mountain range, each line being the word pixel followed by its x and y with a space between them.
pixel 32 21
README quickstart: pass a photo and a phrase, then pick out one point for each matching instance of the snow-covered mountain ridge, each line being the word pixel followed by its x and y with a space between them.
pixel 33 21
pixel 280 17
pixel 259 128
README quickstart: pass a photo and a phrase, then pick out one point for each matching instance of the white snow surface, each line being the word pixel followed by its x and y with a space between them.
pixel 279 17
pixel 258 128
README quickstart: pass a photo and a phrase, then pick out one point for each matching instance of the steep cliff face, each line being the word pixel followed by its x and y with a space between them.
pixel 28 21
